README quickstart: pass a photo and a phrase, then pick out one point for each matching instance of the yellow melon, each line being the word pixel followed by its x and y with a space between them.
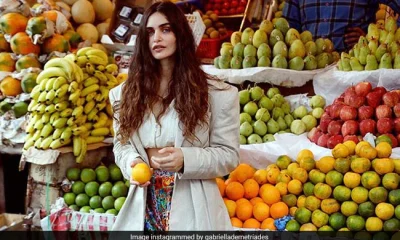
pixel 83 12
pixel 103 9
pixel 88 32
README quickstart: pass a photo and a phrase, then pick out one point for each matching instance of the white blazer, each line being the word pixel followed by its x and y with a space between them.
pixel 196 202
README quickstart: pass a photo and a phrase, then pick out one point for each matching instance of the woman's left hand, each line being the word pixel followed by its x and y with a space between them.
pixel 173 162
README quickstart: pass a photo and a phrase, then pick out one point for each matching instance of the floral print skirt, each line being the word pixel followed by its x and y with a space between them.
pixel 158 204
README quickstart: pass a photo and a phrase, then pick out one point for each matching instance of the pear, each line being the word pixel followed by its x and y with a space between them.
pixel 249 62
pixel 275 36
pixel 364 51
pixel 397 35
pixel 372 64
pixel 373 32
pixel 355 64
pixel 281 123
pixel 351 52
pixel 247 36
pixel 335 56
pixel 259 37
pixel 296 63
pixel 386 61
pixel 393 48
pixel 236 38
pixel 310 63
pixel 346 64
pixel 236 62
pixel 356 49
pixel 272 126
pixel 250 50
pixel 389 38
pixel 311 48
pixel 266 26
pixel 297 49
pixel 226 50
pixel 322 60
pixel 283 25
pixel 306 36
pixel 373 45
pixel 216 62
pixel 382 49
pixel 381 24
pixel 264 50
pixel 279 62
pixel 280 48
pixel 291 35
pixel 340 65
pixel 362 41
pixel 320 42
pixel 390 24
pixel 264 62
pixel 396 64
pixel 382 36
pixel 224 61
pixel 344 55
pixel 238 49
pixel 328 46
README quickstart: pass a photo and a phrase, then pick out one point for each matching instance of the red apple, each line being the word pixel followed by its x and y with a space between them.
pixel 348 94
pixel 323 140
pixel 396 125
pixel 240 9
pixel 323 124
pixel 356 101
pixel 232 11
pixel 395 143
pixel 374 99
pixel 339 100
pixel 398 138
pixel 384 125
pixel 314 134
pixel 335 110
pixel 325 116
pixel 217 6
pixel 396 91
pixel 234 3
pixel 224 12
pixel 383 111
pixel 396 110
pixel 334 140
pixel 380 90
pixel 348 113
pixel 209 6
pixel 226 5
pixel 218 1
pixel 367 126
pixel 390 99
pixel 243 3
pixel 216 11
pixel 353 138
pixel 327 110
pixel 349 127
pixel 334 128
pixel 363 88
pixel 365 112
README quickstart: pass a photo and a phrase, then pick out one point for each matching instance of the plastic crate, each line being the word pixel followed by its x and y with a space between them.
pixel 209 48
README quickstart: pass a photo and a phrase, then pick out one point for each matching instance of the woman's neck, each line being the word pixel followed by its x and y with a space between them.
pixel 167 67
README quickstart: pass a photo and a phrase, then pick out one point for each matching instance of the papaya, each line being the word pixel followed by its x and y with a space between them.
pixel 12 23
pixel 4 45
pixel 7 63
pixel 22 44
pixel 36 25
pixel 27 62
pixel 28 82
pixel 73 37
pixel 57 43
pixel 10 86
pixel 51 15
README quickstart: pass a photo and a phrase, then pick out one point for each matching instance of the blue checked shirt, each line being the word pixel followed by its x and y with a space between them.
pixel 330 19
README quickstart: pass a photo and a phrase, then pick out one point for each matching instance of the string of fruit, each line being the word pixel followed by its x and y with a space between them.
pixel 70 103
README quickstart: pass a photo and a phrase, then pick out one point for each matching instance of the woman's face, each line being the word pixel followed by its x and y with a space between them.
pixel 162 41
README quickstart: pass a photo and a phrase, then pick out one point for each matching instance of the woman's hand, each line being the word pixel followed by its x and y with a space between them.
pixel 173 162
pixel 352 36
pixel 136 161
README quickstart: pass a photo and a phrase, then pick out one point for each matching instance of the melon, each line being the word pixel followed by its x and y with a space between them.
pixel 70 2
pixel 103 9
pixel 102 28
pixel 88 32
pixel 82 12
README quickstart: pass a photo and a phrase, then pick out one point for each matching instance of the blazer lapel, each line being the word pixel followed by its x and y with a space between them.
pixel 179 135
pixel 137 144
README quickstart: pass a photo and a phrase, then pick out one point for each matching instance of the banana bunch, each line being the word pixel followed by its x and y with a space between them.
pixel 70 103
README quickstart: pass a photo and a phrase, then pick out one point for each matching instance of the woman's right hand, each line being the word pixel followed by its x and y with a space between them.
pixel 136 161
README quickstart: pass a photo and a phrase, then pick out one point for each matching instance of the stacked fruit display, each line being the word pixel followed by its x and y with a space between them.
pixel 102 190
pixel 361 109
pixel 377 50
pixel 226 7
pixel 214 28
pixel 279 12
pixel 275 45
pixel 70 102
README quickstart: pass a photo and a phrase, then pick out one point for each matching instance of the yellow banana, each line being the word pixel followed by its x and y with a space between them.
pixel 99 53
pixel 81 120
pixel 49 83
pixel 94 139
pixel 41 109
pixel 36 135
pixel 42 97
pixel 32 104
pixel 38 125
pixel 73 87
pixel 66 134
pixel 71 57
pixel 57 133
pixel 90 89
pixel 29 143
pixel 82 154
pixel 96 60
pixel 54 117
pixel 60 123
pixel 100 76
pixel 77 111
pixel 100 68
pixel 66 112
pixel 35 108
pixel 90 81
pixel 76 145
pixel 30 128
pixel 104 131
pixel 42 84
pixel 82 51
pixel 73 98
pixel 111 77
pixel 45 144
pixel 38 143
pixel 62 90
pixel 61 106
pixel 112 68
pixel 60 99
pixel 66 142
pixel 51 72
pixel 71 122
pixel 92 116
pixel 78 74
pixel 56 144
pixel 51 95
pixel 50 108
pixel 85 74
pixel 80 101
pixel 62 63
pixel 60 81
pixel 90 68
pixel 81 61
pixel 79 130
pixel 46 130
pixel 109 110
pixel 98 98
pixel 102 121
pixel 101 106
pixel 88 126
pixel 46 117
pixel 109 122
pixel 90 96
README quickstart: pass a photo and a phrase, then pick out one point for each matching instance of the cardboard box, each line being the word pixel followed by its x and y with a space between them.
pixel 7 220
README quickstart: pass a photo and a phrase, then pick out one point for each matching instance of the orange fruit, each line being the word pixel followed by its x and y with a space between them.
pixel 368 152
pixel 300 174
pixel 251 223
pixel 262 189
pixel 279 210
pixel 10 86
pixel 256 200
pixel 236 222
pixel 234 191
pixel 229 180
pixel 244 211
pixel 340 151
pixel 292 211
pixel 383 165
pixel 272 175
pixel 384 149
pixel 351 146
pixel 282 188
pixel 325 164
pixel 271 195
pixel 141 173
pixel 231 207
pixel 261 211
pixel 295 187
pixel 242 200
pixel 303 154
pixel 251 188
pixel 361 144
pixel 260 176
pixel 268 224
pixel 221 186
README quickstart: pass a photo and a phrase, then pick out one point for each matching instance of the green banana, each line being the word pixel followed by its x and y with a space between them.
pixel 51 95
pixel 60 81
pixel 46 117
pixel 50 108
pixel 41 109
pixel 47 130
pixel 76 145
pixel 66 112
pixel 77 111
pixel 60 122
pixel 29 143
pixel 45 144
pixel 32 104
pixel 36 135
pixel 38 143
pixel 42 97
pixel 56 144
pixel 38 125
pixel 62 90
pixel 57 133
pixel 66 134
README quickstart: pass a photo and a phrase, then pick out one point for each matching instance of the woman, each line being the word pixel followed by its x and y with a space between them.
pixel 170 115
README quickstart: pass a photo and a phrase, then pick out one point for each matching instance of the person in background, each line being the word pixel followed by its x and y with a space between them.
pixel 341 21
pixel 183 123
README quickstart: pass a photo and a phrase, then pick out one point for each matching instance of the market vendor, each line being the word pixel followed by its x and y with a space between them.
pixel 341 21
pixel 183 123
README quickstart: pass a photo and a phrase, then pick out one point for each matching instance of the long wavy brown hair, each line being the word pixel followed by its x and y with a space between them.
pixel 188 86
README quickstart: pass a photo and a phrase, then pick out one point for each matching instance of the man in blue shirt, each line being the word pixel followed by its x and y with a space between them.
pixel 342 21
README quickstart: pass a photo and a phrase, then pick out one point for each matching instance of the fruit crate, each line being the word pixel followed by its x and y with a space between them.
pixel 209 48
pixel 184 3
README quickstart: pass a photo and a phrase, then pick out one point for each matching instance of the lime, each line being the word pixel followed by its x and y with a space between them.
pixel 334 178
pixel 292 226
pixel 394 197
pixel 20 109
pixel 319 218
pixel 85 209
pixel 119 183
pixel 115 173
pixel 108 202
pixel 119 202
pixel 391 225
pixel 119 190
pixel 92 188
pixel 397 211
pixel 112 211
pixel 359 194
pixel 127 183
pixel 78 187
pixel 302 215
pixel 102 174
pixel 378 195
pixel 349 208
pixel 82 200
pixel 5 106
pixel 74 207
pixel 95 202
pixel 337 220
pixel 69 198
pixel 88 175
pixel 290 200
pixel 326 228
pixel 283 162
pixel 366 209
pixel 308 189
pixel 341 193
pixel 105 189
pixel 355 223
pixel 73 174
pixel 99 210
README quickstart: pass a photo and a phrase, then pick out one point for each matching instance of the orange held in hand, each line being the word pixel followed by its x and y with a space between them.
pixel 141 173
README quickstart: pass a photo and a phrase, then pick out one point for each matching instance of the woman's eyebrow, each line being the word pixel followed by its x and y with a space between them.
pixel 161 25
